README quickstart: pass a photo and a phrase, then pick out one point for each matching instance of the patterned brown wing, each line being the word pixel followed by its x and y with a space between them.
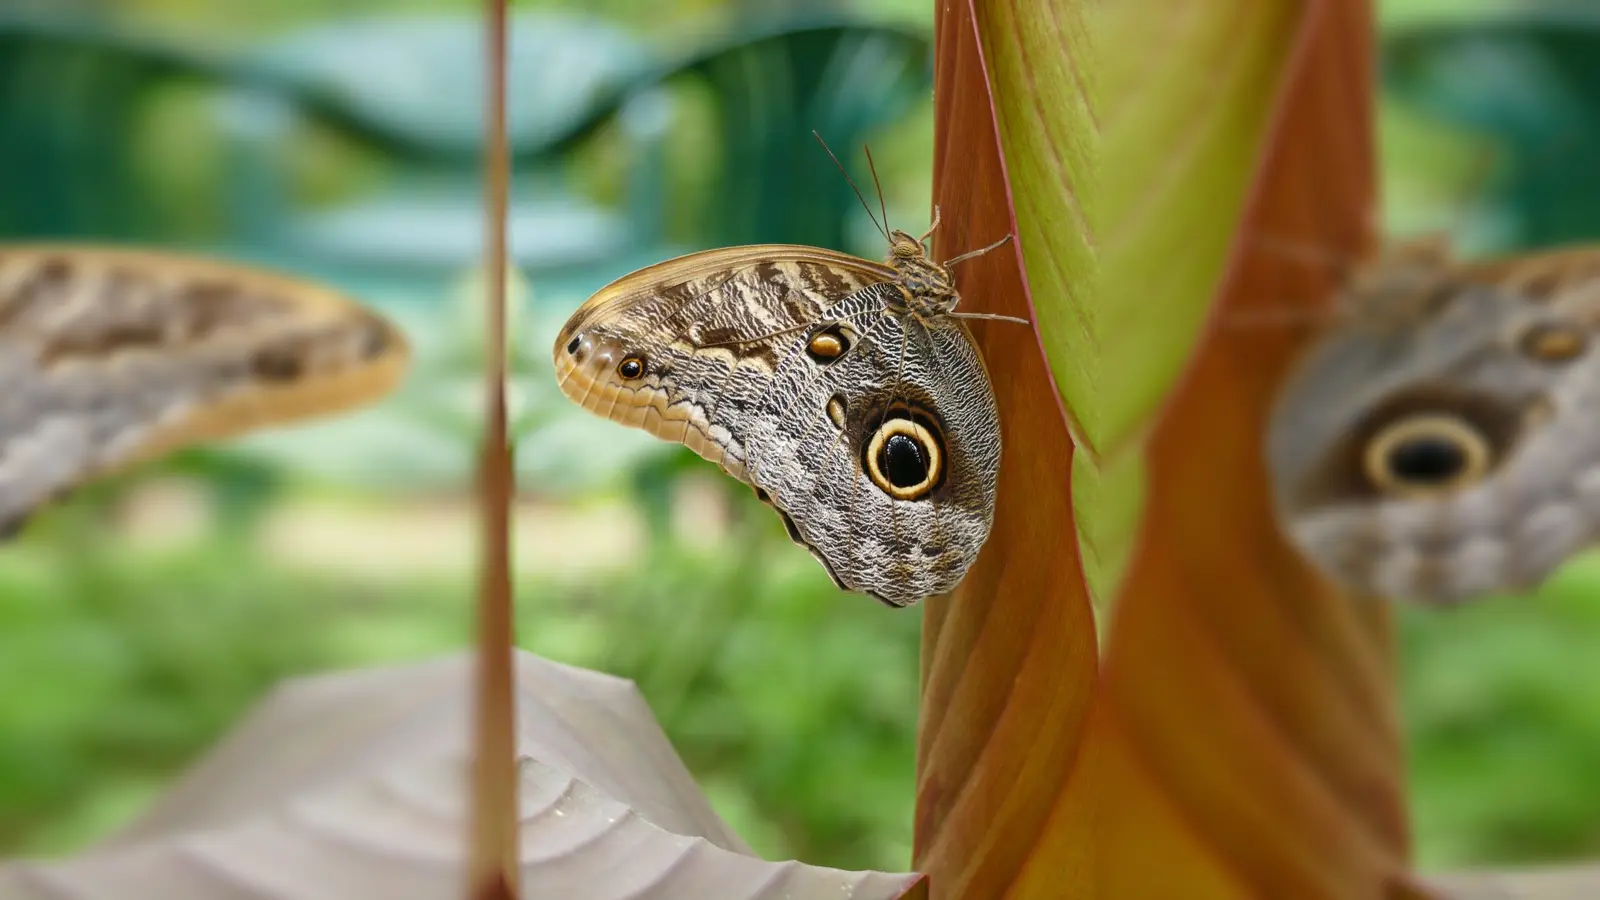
pixel 1538 277
pixel 884 460
pixel 109 357
pixel 871 429
pixel 701 330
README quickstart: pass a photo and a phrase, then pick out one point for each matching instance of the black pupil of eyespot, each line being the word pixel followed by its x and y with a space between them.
pixel 902 461
pixel 632 368
pixel 572 345
pixel 1427 460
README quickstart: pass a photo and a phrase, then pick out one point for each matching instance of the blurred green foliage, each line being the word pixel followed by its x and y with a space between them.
pixel 794 706
pixel 117 665
pixel 1503 710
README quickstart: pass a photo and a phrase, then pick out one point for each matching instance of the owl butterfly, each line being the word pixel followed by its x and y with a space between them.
pixel 1440 441
pixel 110 357
pixel 848 393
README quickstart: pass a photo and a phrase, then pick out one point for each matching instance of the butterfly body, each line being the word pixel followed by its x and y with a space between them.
pixel 842 390
pixel 109 357
pixel 1448 447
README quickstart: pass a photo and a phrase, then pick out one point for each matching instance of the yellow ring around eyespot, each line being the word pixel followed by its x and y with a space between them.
pixel 636 361
pixel 930 449
pixel 1451 428
pixel 1554 342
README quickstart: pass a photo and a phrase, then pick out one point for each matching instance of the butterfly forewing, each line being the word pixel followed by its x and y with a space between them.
pixel 111 356
pixel 705 330
pixel 872 430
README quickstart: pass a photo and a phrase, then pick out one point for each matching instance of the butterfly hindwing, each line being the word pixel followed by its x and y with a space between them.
pixel 821 452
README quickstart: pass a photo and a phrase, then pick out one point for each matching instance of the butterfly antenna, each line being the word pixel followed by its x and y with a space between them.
pixel 878 186
pixel 883 230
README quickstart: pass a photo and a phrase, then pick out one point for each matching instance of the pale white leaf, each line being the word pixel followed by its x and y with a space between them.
pixel 353 785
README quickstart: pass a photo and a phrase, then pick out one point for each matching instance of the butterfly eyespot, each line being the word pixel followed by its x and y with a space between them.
pixel 1427 455
pixel 631 367
pixel 572 345
pixel 904 459
pixel 1552 342
pixel 827 345
pixel 836 411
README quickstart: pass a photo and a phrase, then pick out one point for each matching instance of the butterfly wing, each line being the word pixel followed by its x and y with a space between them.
pixel 708 331
pixel 1453 457
pixel 884 461
pixel 110 356
pixel 718 351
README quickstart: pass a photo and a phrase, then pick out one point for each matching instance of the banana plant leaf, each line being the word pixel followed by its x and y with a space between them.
pixel 1226 729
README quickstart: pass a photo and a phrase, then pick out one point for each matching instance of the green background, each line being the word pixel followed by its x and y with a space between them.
pixel 143 617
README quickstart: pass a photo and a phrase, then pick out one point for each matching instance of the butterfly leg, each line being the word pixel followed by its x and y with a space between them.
pixel 931 228
pixel 980 251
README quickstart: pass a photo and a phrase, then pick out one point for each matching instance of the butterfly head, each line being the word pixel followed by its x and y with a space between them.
pixel 930 284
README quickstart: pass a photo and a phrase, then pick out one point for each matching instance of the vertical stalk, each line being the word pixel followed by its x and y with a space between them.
pixel 492 858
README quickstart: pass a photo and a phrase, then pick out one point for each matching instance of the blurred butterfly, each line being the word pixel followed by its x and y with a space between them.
pixel 1439 442
pixel 109 357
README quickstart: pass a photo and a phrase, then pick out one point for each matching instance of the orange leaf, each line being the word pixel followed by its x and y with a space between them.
pixel 1239 739
pixel 1008 660
pixel 1256 699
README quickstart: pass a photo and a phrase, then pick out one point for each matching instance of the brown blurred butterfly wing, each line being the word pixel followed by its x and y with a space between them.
pixel 109 357
pixel 729 363
pixel 1450 452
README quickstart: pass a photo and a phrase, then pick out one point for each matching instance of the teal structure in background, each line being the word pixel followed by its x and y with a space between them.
pixel 408 90
pixel 1526 80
